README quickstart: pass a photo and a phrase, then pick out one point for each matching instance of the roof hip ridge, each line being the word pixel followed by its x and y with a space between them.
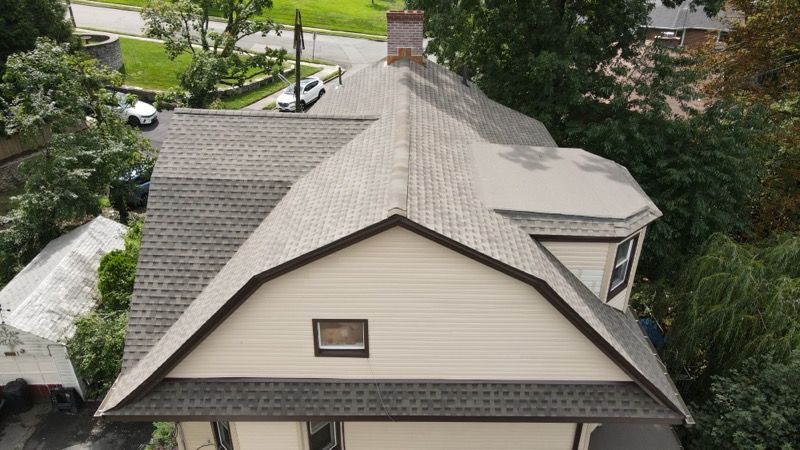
pixel 397 192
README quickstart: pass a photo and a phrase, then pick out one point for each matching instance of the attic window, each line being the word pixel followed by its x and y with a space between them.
pixel 341 337
pixel 623 261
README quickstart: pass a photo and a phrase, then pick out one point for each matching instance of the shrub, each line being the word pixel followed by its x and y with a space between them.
pixel 96 349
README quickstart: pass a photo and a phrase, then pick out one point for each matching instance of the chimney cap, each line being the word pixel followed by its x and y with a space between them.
pixel 405 12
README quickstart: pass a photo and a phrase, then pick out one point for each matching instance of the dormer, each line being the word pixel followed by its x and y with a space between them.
pixel 588 211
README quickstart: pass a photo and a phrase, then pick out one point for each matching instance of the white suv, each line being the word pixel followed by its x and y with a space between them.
pixel 311 90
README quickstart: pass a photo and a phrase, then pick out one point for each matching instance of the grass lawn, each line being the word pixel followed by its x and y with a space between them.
pixel 358 16
pixel 147 66
pixel 240 101
pixel 5 199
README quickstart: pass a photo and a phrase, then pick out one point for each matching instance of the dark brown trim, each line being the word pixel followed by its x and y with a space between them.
pixel 613 292
pixel 576 443
pixel 385 418
pixel 568 238
pixel 396 220
pixel 359 353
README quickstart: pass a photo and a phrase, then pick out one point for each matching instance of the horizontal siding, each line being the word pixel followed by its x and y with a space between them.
pixel 269 435
pixel 432 313
pixel 458 436
pixel 587 260
pixel 194 435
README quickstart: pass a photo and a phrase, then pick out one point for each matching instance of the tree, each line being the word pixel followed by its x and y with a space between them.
pixel 23 22
pixel 735 301
pixel 51 91
pixel 117 272
pixel 96 348
pixel 185 27
pixel 761 65
pixel 755 407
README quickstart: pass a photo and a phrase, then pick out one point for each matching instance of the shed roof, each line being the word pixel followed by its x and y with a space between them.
pixel 411 167
pixel 58 285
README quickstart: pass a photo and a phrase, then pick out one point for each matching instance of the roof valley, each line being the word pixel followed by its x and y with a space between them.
pixel 397 192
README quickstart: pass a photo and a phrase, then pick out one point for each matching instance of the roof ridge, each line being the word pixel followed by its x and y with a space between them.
pixel 397 192
pixel 261 113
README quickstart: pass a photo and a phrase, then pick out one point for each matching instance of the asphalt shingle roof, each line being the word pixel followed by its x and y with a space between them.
pixel 683 17
pixel 182 399
pixel 59 284
pixel 217 177
pixel 413 161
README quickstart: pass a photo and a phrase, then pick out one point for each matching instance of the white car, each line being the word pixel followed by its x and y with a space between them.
pixel 311 90
pixel 140 113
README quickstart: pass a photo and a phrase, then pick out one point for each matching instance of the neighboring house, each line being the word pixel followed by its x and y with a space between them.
pixel 410 266
pixel 684 27
pixel 40 304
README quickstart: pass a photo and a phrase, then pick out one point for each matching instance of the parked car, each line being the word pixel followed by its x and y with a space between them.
pixel 141 189
pixel 311 90
pixel 140 113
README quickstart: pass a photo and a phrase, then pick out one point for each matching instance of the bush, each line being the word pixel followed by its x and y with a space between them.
pixel 756 407
pixel 115 280
pixel 163 437
pixel 96 349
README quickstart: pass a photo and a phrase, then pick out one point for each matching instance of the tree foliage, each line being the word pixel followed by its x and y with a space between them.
pixel 23 21
pixel 117 272
pixel 755 407
pixel 96 348
pixel 736 301
pixel 761 65
pixel 185 27
pixel 50 91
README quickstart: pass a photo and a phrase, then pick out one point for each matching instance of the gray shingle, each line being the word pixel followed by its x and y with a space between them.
pixel 395 400
pixel 218 175
pixel 353 189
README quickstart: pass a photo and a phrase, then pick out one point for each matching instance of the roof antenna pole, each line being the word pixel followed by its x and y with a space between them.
pixel 299 45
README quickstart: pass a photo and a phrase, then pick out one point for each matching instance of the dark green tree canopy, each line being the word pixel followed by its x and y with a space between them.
pixel 22 22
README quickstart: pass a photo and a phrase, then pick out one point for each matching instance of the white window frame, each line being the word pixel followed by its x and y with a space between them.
pixel 627 263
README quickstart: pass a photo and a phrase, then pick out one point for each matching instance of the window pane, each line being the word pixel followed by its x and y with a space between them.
pixel 224 439
pixel 341 335
pixel 322 436
pixel 618 275
pixel 623 251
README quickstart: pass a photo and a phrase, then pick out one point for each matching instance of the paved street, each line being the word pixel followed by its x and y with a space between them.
pixel 349 53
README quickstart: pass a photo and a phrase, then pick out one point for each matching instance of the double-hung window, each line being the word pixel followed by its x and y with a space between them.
pixel 222 434
pixel 623 260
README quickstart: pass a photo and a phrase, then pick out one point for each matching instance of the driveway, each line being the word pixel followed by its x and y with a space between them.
pixel 157 131
pixel 350 53
pixel 43 429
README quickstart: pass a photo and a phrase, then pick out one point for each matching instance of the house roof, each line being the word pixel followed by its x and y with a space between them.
pixel 322 399
pixel 560 190
pixel 58 284
pixel 411 167
pixel 683 17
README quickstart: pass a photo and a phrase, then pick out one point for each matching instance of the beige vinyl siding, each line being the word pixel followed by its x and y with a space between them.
pixel 269 435
pixel 193 435
pixel 587 260
pixel 458 436
pixel 433 314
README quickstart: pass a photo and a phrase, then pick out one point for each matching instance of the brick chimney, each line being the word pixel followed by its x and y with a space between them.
pixel 405 36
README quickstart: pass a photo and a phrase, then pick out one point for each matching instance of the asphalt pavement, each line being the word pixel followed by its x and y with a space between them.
pixel 350 53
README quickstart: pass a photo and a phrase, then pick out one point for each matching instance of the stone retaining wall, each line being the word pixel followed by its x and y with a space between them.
pixel 104 47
